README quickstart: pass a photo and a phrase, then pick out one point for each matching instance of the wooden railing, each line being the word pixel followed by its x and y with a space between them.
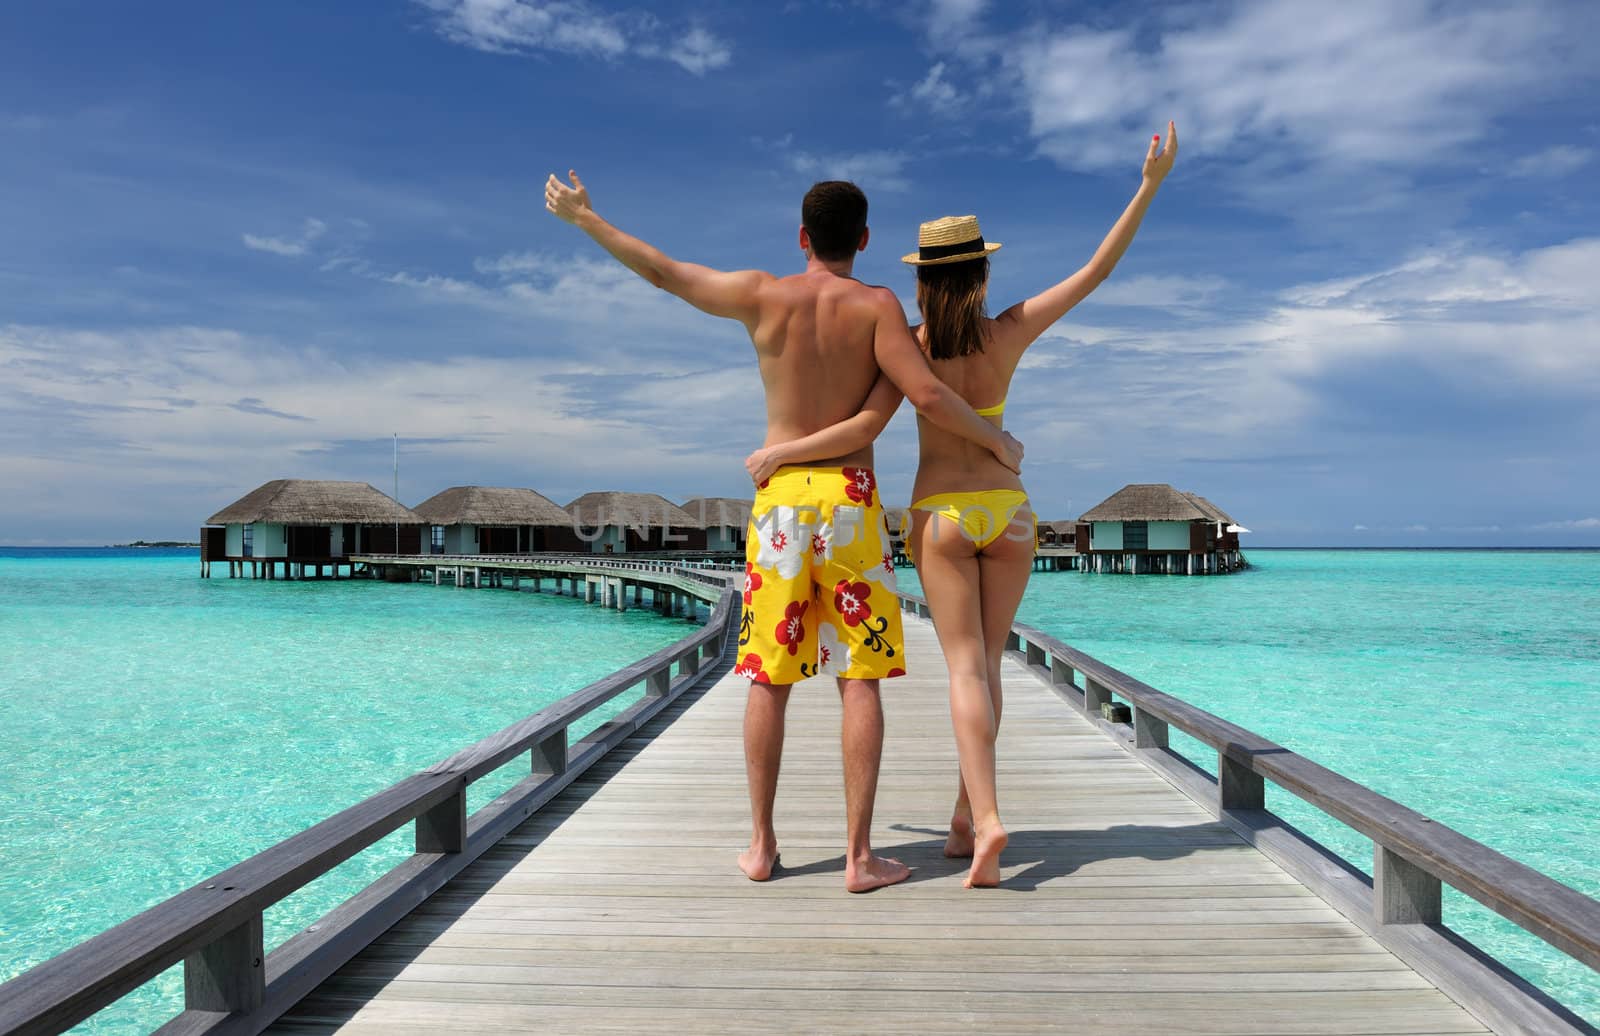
pixel 1401 904
pixel 231 985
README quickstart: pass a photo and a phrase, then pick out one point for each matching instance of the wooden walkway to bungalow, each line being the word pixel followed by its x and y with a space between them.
pixel 1125 907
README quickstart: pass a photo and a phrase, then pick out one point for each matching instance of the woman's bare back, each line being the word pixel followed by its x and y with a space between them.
pixel 948 464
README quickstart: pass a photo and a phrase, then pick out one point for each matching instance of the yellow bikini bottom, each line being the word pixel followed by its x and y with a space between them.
pixel 983 515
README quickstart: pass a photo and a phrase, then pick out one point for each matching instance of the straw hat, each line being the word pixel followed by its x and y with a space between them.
pixel 949 240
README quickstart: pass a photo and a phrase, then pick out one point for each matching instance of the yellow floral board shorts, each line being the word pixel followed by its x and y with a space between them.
pixel 819 587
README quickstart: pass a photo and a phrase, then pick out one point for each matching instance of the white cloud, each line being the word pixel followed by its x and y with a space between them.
pixel 1159 291
pixel 883 170
pixel 698 51
pixel 1502 324
pixel 171 414
pixel 517 264
pixel 1573 525
pixel 949 21
pixel 933 93
pixel 1552 163
pixel 512 26
pixel 295 246
pixel 1369 83
pixel 600 294
pixel 573 27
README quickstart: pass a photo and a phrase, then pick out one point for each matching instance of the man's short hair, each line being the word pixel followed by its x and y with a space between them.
pixel 834 214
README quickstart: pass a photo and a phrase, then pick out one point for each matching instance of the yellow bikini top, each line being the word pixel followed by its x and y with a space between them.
pixel 992 411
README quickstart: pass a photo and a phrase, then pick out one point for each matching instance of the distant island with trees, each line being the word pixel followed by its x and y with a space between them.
pixel 155 543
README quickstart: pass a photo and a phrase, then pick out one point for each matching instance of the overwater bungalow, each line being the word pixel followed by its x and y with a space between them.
pixel 1152 527
pixel 1059 533
pixel 619 523
pixel 493 520
pixel 724 521
pixel 300 526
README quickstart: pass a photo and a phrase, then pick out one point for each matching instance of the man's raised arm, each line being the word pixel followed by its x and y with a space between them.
pixel 722 294
pixel 899 358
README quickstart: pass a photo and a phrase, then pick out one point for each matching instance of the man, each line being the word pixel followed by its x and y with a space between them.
pixel 818 591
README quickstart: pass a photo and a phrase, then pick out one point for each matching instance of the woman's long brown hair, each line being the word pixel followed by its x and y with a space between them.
pixel 953 298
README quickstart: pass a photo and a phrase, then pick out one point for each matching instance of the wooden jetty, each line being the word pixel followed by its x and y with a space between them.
pixel 1140 893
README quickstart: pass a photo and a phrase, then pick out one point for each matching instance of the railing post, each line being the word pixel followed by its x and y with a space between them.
pixel 443 829
pixel 1035 655
pixel 1402 892
pixel 1095 694
pixel 689 664
pixel 550 755
pixel 1238 786
pixel 1013 641
pixel 1148 731
pixel 1061 672
pixel 227 974
pixel 659 683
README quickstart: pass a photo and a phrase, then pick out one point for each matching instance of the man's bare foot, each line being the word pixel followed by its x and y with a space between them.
pixel 874 873
pixel 985 872
pixel 959 844
pixel 757 862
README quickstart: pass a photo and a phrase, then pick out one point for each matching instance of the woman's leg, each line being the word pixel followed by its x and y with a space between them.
pixel 948 566
pixel 1003 570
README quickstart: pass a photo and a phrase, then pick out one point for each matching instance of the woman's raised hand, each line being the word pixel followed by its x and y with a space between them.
pixel 1158 162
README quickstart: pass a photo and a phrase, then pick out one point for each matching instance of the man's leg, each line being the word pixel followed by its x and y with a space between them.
pixel 862 740
pixel 763 752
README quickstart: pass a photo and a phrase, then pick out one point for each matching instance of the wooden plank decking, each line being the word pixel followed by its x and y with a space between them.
pixel 1125 906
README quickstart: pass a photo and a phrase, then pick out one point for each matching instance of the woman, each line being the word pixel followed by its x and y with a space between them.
pixel 972 530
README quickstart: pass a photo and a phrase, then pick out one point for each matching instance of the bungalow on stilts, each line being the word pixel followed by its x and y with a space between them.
pixel 1154 528
pixel 291 528
pixel 493 520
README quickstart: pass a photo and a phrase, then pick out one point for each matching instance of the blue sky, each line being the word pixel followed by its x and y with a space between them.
pixel 251 241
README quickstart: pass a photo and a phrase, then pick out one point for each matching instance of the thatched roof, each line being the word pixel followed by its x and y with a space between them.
pixel 298 501
pixel 492 505
pixel 1213 512
pixel 1155 502
pixel 718 512
pixel 1061 526
pixel 629 509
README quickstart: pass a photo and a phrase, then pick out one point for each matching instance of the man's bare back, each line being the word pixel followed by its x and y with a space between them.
pixel 814 341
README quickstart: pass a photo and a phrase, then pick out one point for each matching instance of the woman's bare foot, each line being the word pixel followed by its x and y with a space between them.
pixel 985 872
pixel 874 873
pixel 758 861
pixel 959 844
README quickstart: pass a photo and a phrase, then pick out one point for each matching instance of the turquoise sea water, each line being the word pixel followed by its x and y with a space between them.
pixel 156 728
pixel 1465 685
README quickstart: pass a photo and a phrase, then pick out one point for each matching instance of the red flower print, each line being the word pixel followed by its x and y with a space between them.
pixel 780 540
pixel 751 669
pixel 850 601
pixel 861 485
pixel 824 656
pixel 897 671
pixel 752 580
pixel 887 565
pixel 819 545
pixel 764 483
pixel 792 629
